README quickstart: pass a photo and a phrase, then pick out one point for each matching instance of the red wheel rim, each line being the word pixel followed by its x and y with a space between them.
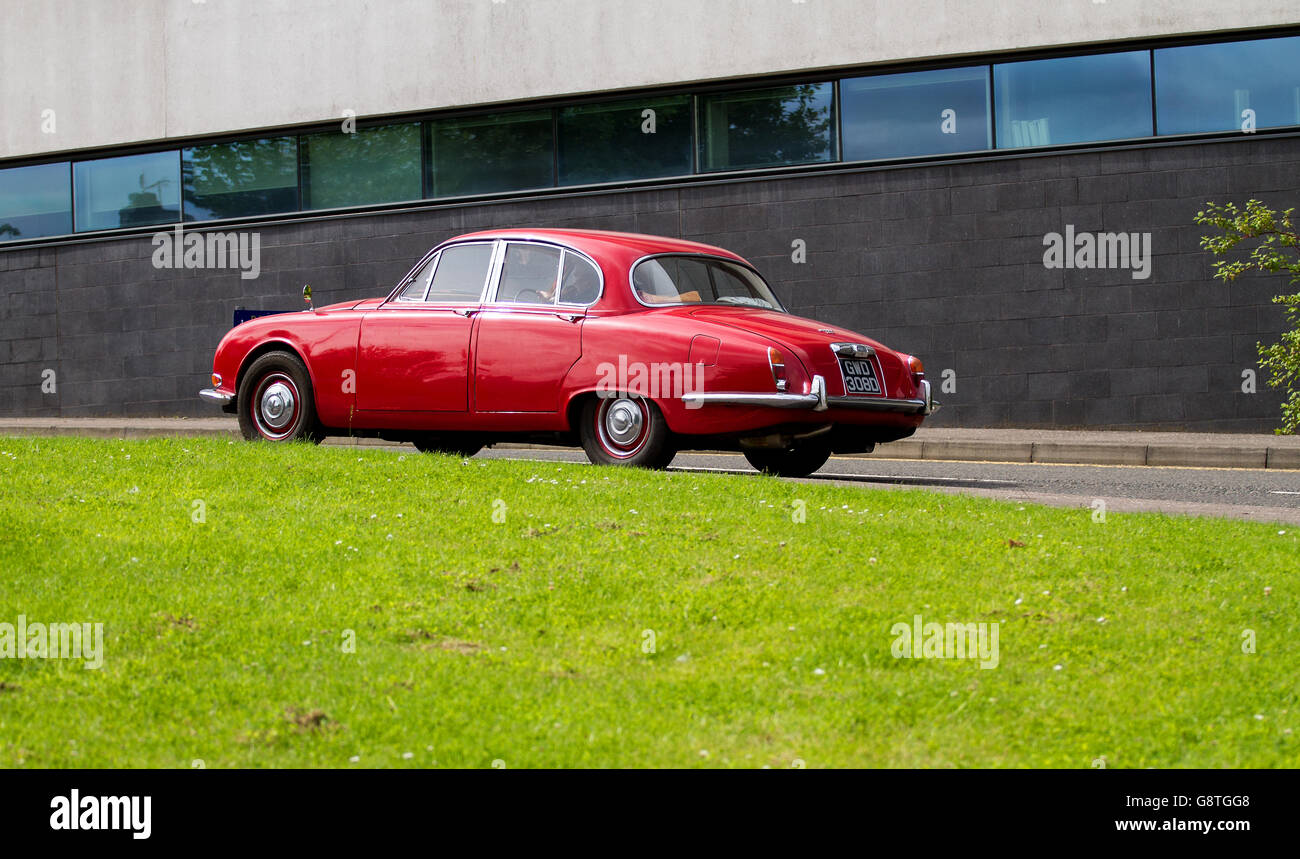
pixel 276 406
pixel 622 426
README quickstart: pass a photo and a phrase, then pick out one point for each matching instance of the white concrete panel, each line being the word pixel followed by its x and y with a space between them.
pixel 121 71
pixel 100 65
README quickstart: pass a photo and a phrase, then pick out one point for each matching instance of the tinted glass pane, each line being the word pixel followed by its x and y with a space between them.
pixel 766 128
pixel 247 177
pixel 529 273
pixel 581 281
pixel 35 201
pixel 1209 87
pixel 1073 99
pixel 917 113
pixel 623 140
pixel 127 192
pixel 690 280
pixel 374 165
pixel 484 154
pixel 670 280
pixel 461 273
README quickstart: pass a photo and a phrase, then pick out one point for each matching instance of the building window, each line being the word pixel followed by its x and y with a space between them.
pixel 380 164
pixel 766 128
pixel 246 177
pixel 1073 99
pixel 132 191
pixel 35 201
pixel 488 154
pixel 633 139
pixel 916 113
pixel 1228 87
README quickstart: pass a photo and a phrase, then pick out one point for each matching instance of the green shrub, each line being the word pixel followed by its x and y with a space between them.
pixel 1276 248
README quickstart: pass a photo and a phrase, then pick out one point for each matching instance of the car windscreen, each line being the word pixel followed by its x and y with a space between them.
pixel 689 279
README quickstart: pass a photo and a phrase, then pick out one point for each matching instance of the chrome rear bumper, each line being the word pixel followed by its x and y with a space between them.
pixel 816 400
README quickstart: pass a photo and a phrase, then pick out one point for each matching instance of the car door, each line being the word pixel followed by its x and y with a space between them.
pixel 413 352
pixel 530 331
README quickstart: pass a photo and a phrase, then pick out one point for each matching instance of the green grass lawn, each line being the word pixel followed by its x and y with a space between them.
pixel 524 642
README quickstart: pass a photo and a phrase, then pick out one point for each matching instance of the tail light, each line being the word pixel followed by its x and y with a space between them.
pixel 917 369
pixel 777 361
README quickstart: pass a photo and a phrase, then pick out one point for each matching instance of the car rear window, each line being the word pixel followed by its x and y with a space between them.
pixel 689 279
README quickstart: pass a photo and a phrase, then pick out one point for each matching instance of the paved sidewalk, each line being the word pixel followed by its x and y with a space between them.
pixel 1189 450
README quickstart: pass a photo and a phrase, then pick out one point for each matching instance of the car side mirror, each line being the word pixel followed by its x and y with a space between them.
pixel 306 296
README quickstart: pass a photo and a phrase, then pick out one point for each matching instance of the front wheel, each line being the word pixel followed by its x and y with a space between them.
pixel 276 402
pixel 626 430
pixel 800 460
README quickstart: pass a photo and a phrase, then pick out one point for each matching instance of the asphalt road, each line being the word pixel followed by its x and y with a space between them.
pixel 1238 493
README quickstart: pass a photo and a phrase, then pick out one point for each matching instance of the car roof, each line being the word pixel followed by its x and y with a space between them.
pixel 606 244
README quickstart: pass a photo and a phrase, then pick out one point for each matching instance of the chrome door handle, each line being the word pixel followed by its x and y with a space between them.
pixel 467 312
pixel 572 317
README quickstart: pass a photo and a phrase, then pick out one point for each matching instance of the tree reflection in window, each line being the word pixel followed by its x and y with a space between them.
pixel 241 178
pixel 372 165
pixel 766 128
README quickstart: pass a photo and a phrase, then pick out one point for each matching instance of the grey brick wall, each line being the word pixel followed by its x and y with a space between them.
pixel 944 261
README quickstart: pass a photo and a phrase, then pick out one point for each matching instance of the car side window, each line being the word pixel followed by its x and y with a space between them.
pixel 419 282
pixel 529 274
pixel 461 273
pixel 580 282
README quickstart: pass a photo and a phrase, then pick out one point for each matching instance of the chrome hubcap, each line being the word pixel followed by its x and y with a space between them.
pixel 623 422
pixel 277 406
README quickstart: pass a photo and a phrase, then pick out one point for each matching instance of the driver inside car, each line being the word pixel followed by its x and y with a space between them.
pixel 530 274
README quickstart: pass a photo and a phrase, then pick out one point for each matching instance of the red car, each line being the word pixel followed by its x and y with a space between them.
pixel 633 346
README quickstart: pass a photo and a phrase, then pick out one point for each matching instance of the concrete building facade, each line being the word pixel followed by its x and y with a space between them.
pixel 941 255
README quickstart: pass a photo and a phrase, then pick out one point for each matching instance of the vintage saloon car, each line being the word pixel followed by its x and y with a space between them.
pixel 633 346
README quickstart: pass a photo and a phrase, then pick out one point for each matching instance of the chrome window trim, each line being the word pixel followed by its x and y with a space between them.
pixel 780 308
pixel 565 250
pixel 394 296
pixel 405 280
pixel 433 259
pixel 600 279
pixel 495 290
pixel 494 272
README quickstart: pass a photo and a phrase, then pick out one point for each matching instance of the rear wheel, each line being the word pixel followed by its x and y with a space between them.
pixel 626 430
pixel 455 445
pixel 800 460
pixel 276 401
